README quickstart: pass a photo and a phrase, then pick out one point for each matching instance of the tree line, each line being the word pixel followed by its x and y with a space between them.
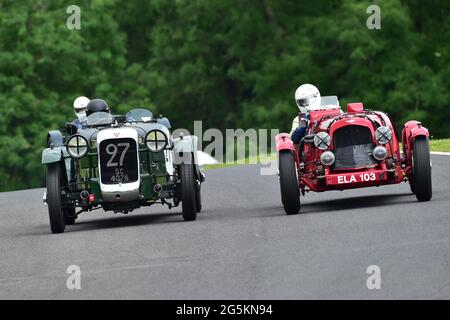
pixel 230 63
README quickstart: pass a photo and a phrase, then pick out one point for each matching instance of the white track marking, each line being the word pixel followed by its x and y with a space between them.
pixel 441 153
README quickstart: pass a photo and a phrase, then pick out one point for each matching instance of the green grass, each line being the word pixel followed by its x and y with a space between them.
pixel 249 160
pixel 440 145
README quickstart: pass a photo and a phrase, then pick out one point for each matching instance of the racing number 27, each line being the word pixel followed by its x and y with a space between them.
pixel 112 150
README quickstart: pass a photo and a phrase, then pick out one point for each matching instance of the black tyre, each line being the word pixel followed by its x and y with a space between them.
pixel 290 191
pixel 69 216
pixel 411 185
pixel 55 212
pixel 188 192
pixel 198 200
pixel 421 170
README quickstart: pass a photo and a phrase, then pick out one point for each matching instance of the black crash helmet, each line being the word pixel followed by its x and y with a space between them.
pixel 96 105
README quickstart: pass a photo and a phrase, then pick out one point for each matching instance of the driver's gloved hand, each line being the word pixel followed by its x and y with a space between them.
pixel 298 134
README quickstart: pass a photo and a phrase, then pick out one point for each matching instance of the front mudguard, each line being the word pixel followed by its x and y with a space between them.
pixel 55 138
pixel 52 155
pixel 411 130
pixel 184 146
pixel 283 141
pixel 57 154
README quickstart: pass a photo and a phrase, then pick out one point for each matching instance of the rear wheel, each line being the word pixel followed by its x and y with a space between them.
pixel 290 191
pixel 421 170
pixel 55 212
pixel 188 192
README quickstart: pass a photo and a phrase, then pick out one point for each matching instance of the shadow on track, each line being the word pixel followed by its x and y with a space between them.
pixel 112 221
pixel 130 220
pixel 351 203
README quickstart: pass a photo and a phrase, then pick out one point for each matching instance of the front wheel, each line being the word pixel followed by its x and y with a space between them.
pixel 421 170
pixel 188 192
pixel 411 186
pixel 55 211
pixel 290 191
pixel 198 199
pixel 69 216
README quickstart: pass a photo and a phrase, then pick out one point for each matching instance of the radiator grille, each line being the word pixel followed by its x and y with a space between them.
pixel 118 161
pixel 353 147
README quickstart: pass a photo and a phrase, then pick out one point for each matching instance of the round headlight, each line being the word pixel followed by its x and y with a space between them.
pixel 380 153
pixel 77 146
pixel 327 158
pixel 383 135
pixel 156 140
pixel 322 140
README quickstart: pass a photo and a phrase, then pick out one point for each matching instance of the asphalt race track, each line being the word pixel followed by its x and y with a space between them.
pixel 242 245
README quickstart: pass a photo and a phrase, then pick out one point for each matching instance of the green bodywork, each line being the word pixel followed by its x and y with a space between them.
pixel 152 169
pixel 83 173
pixel 87 176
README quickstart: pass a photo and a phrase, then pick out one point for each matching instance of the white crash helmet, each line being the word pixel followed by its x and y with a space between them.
pixel 80 104
pixel 307 97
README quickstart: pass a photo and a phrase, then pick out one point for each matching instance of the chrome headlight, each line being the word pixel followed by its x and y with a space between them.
pixel 383 135
pixel 380 153
pixel 327 158
pixel 156 140
pixel 77 146
pixel 322 140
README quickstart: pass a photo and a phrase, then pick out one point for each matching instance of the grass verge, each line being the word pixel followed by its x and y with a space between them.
pixel 249 160
pixel 442 145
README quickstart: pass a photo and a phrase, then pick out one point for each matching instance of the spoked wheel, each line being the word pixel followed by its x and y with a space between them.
pixel 55 211
pixel 188 192
pixel 290 191
pixel 421 170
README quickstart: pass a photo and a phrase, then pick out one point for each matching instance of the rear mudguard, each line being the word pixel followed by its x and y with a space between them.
pixel 411 131
pixel 283 141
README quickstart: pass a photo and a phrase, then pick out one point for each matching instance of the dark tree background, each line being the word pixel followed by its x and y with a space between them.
pixel 230 63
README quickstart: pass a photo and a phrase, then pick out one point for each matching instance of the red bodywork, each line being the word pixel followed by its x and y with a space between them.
pixel 315 176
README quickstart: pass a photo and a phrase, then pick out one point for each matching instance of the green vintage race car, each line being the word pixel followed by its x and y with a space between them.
pixel 120 163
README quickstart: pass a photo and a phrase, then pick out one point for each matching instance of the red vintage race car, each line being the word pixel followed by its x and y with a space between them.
pixel 354 149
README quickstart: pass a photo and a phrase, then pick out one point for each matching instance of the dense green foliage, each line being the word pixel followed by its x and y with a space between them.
pixel 230 63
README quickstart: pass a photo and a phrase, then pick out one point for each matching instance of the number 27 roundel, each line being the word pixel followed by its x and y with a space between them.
pixel 118 161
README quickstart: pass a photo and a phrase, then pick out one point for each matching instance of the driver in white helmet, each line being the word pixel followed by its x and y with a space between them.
pixel 79 106
pixel 307 98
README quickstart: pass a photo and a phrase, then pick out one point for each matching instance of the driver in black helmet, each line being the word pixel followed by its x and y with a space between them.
pixel 97 105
